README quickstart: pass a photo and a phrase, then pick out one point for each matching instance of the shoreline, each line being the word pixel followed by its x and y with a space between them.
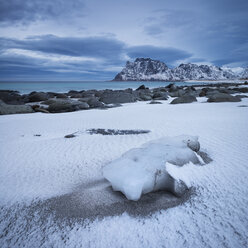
pixel 12 102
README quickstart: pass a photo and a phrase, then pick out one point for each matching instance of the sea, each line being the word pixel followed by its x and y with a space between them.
pixel 65 86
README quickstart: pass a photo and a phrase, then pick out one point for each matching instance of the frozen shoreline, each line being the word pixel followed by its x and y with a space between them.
pixel 38 168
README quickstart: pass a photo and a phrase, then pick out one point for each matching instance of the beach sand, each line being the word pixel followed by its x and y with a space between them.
pixel 53 193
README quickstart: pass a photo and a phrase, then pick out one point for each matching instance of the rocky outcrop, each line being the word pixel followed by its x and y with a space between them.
pixel 184 99
pixel 146 69
pixel 6 109
pixel 222 97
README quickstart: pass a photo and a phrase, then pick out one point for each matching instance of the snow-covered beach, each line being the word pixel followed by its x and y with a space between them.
pixel 38 165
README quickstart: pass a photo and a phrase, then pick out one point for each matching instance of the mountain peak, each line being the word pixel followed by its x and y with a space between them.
pixel 147 69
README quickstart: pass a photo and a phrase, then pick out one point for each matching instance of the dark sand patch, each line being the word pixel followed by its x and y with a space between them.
pixel 98 200
pixel 115 131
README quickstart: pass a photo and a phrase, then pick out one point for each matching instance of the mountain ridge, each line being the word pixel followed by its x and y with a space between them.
pixel 147 69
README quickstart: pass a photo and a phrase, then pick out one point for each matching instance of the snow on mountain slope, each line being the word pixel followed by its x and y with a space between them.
pixel 143 69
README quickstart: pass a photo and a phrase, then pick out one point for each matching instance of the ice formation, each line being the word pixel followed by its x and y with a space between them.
pixel 143 170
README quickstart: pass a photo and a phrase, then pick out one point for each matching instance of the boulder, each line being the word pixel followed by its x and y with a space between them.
pixel 38 97
pixel 11 97
pixel 95 103
pixel 60 106
pixel 177 93
pixel 160 95
pixel 172 87
pixel 110 96
pixel 61 95
pixel 6 109
pixel 142 87
pixel 222 97
pixel 184 99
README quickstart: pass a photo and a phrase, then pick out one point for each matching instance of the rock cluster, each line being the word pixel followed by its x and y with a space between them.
pixel 49 102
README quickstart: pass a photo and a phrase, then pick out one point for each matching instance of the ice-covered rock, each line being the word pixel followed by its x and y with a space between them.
pixel 143 170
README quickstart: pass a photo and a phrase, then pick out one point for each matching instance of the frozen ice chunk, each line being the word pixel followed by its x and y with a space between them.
pixel 142 170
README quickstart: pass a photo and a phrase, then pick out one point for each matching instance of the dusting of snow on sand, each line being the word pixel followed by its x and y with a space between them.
pixel 37 168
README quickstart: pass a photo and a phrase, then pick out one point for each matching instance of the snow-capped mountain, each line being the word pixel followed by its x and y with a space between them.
pixel 244 74
pixel 143 69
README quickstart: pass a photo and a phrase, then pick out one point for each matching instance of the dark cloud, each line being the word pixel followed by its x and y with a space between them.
pixel 167 55
pixel 97 47
pixel 26 11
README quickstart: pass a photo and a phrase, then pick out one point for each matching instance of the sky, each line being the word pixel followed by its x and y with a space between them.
pixel 93 39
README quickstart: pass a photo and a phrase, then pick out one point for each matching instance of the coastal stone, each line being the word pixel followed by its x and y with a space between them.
pixel 61 95
pixel 184 99
pixel 38 97
pixel 11 97
pixel 60 106
pixel 222 97
pixel 42 110
pixel 160 96
pixel 242 96
pixel 177 93
pixel 155 102
pixel 95 103
pixel 142 87
pixel 117 97
pixel 172 87
pixel 76 95
pixel 70 136
pixel 6 109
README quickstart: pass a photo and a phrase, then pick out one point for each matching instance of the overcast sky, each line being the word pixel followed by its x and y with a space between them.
pixel 93 39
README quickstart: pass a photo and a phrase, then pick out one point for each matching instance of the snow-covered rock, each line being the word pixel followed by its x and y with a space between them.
pixel 143 69
pixel 143 170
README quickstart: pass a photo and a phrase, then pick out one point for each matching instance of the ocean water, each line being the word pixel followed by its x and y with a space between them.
pixel 65 86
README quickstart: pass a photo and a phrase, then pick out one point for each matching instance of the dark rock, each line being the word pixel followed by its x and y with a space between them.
pixel 50 101
pixel 117 97
pixel 242 90
pixel 70 136
pixel 242 96
pixel 72 92
pixel 142 87
pixel 60 95
pixel 155 102
pixel 11 97
pixel 6 109
pixel 95 103
pixel 222 97
pixel 243 106
pixel 38 97
pixel 177 93
pixel 76 95
pixel 60 106
pixel 160 96
pixel 35 106
pixel 184 99
pixel 42 110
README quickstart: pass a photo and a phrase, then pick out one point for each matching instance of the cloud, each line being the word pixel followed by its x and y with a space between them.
pixel 168 55
pixel 105 48
pixel 98 56
pixel 27 11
